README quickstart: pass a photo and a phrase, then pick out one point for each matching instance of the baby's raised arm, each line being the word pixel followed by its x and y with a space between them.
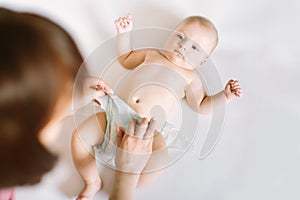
pixel 128 57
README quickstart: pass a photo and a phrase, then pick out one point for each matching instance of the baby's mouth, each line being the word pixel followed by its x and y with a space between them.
pixel 179 54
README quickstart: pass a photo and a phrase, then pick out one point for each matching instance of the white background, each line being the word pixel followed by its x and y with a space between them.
pixel 258 155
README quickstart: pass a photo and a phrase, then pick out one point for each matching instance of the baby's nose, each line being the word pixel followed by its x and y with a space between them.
pixel 182 46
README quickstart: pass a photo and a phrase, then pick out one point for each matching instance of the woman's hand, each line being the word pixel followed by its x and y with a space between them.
pixel 95 88
pixel 134 146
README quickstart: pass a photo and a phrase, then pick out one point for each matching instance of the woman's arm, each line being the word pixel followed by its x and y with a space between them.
pixel 133 152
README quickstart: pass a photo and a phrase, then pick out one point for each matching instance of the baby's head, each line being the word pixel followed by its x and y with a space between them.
pixel 200 30
pixel 194 39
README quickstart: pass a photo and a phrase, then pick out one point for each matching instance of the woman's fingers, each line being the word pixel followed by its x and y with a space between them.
pixel 121 134
pixel 145 130
pixel 151 128
pixel 103 86
pixel 98 85
pixel 131 127
pixel 142 128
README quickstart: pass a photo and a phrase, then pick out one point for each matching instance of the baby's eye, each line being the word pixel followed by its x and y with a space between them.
pixel 195 48
pixel 180 36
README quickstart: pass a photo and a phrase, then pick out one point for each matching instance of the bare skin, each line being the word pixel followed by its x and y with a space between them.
pixel 188 40
pixel 91 133
pixel 132 155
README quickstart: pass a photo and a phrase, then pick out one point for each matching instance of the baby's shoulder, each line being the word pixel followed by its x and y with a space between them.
pixel 153 56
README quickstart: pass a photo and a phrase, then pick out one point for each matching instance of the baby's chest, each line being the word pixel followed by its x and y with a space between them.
pixel 165 69
pixel 160 74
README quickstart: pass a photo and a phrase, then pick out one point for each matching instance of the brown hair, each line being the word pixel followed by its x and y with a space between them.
pixel 38 63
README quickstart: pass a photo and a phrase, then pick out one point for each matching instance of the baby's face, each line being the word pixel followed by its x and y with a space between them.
pixel 189 45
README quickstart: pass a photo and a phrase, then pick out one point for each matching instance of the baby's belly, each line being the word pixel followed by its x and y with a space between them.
pixel 151 100
pixel 152 90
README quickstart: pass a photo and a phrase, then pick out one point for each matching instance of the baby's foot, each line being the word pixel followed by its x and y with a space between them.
pixel 89 190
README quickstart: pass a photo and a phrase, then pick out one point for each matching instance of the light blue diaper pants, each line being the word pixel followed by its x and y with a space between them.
pixel 119 114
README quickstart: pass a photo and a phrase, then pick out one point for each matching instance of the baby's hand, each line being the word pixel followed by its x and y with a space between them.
pixel 124 24
pixel 233 90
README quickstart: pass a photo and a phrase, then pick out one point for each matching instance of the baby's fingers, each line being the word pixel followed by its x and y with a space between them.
pixel 118 21
pixel 235 83
pixel 234 88
pixel 228 88
pixel 230 82
pixel 126 22
pixel 129 16
pixel 238 92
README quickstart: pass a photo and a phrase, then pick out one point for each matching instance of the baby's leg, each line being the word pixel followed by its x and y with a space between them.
pixel 89 133
pixel 158 160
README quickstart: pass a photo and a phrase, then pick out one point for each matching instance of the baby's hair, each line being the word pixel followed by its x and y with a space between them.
pixel 201 20
pixel 204 22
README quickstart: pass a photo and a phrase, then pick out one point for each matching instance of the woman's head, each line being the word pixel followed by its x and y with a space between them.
pixel 38 65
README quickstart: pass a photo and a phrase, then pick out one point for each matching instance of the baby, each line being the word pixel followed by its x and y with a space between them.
pixel 150 84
